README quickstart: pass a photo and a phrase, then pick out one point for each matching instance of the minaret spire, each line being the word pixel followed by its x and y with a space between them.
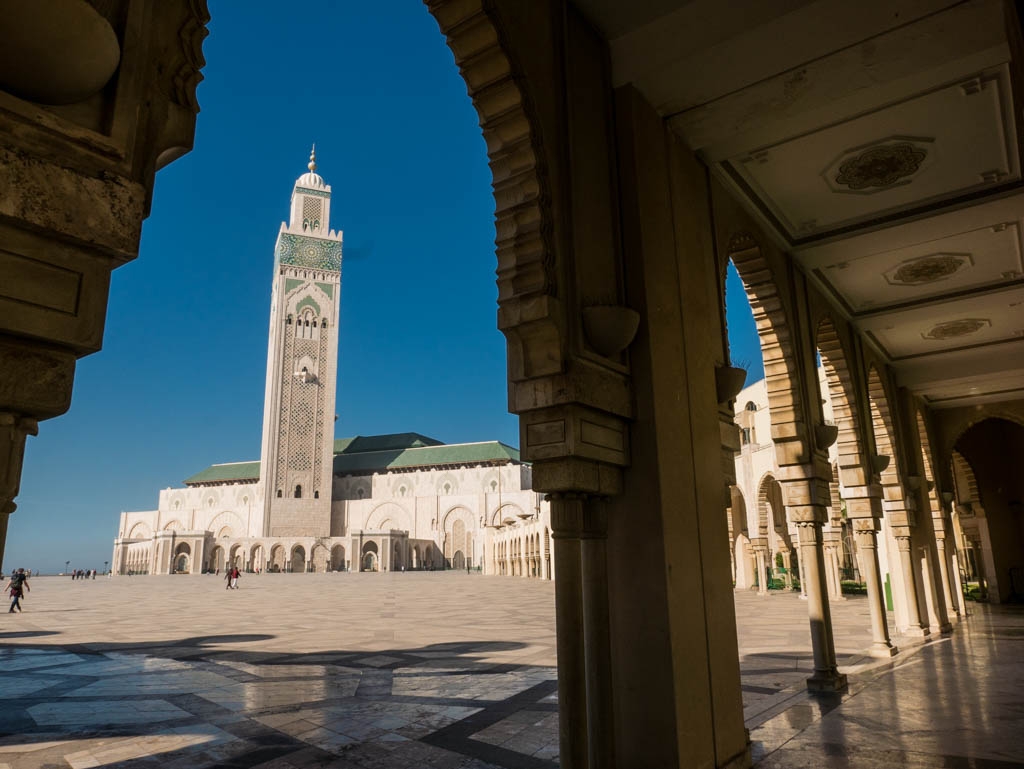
pixel 312 159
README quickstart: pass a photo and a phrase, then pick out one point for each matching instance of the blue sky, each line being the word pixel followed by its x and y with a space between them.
pixel 179 382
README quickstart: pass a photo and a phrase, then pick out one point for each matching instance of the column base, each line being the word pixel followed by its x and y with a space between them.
pixel 883 651
pixel 946 629
pixel 917 632
pixel 821 681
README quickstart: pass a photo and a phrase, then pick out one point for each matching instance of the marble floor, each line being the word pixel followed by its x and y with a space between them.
pixel 445 670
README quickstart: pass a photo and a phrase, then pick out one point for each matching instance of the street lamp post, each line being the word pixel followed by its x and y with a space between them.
pixel 66 565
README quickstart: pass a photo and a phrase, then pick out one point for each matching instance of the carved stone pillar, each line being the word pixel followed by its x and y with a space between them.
pixel 915 626
pixel 759 545
pixel 948 587
pixel 826 674
pixel 830 541
pixel 787 564
pixel 803 575
pixel 865 532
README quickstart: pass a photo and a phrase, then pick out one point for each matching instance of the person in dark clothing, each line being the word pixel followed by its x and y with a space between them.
pixel 17 587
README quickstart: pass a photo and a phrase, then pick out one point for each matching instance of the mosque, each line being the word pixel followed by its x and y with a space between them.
pixel 314 503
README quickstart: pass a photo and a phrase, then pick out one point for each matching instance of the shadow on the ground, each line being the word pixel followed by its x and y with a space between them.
pixel 68 715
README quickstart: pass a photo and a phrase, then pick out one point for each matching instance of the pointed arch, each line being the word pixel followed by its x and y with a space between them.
pixel 390 513
pixel 782 375
pixel 140 530
pixel 737 513
pixel 881 420
pixel 842 394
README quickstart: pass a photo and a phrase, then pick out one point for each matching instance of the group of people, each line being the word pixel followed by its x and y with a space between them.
pixel 83 574
pixel 16 587
pixel 232 576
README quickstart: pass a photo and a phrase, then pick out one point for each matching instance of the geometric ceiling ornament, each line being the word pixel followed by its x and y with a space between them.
pixel 951 329
pixel 879 166
pixel 927 269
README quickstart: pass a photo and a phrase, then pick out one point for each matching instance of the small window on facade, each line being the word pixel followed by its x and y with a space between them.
pixel 298 491
pixel 746 435
pixel 279 494
pixel 447 488
pixel 751 406
pixel 316 495
pixel 360 493
pixel 494 485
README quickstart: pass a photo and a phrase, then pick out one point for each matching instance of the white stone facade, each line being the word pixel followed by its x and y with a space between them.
pixel 313 504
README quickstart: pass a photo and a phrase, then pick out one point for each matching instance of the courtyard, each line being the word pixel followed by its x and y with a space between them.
pixel 445 669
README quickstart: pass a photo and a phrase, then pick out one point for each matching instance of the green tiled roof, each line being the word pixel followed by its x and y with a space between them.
pixel 369 453
pixel 390 442
pixel 425 456
pixel 231 471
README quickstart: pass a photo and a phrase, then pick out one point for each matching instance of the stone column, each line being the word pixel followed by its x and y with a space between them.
pixel 566 530
pixel 830 541
pixel 826 674
pixel 803 573
pixel 787 564
pixel 915 626
pixel 761 561
pixel 866 532
pixel 952 606
pixel 593 551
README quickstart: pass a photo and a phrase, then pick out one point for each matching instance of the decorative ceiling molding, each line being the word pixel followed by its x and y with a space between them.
pixel 930 268
pixel 879 166
pixel 951 329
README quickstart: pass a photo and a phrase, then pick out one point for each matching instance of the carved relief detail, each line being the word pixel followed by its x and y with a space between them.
pixel 927 269
pixel 881 166
pixel 951 329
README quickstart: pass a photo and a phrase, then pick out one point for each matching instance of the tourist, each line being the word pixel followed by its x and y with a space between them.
pixel 17 587
pixel 232 578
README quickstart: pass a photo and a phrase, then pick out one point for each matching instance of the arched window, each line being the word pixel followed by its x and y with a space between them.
pixel 298 491
pixel 279 494
pixel 751 406
pixel 316 495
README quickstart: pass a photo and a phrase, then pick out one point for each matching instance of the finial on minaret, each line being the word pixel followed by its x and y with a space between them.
pixel 312 159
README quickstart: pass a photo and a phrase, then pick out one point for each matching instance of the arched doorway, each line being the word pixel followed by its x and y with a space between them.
pixel 298 559
pixel 217 559
pixel 338 558
pixel 276 558
pixel 416 556
pixel 256 558
pixel 183 559
pixel 397 562
pixel 994 450
pixel 369 560
pixel 458 560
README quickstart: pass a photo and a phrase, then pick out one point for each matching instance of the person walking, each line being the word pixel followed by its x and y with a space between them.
pixel 17 587
pixel 232 578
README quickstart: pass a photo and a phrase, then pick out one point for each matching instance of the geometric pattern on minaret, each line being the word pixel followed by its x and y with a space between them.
pixel 296 461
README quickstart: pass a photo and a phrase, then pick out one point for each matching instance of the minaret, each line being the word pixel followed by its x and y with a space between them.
pixel 297 456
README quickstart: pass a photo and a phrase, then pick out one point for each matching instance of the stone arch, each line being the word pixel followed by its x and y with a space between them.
pixel 256 556
pixel 338 558
pixel 388 514
pixel 320 557
pixel 737 513
pixel 881 420
pixel 928 466
pixel 508 512
pixel 297 559
pixel 140 530
pixel 217 559
pixel 526 260
pixel 842 393
pixel 277 556
pixel 964 480
pixel 765 520
pixel 229 520
pixel 174 525
pixel 781 368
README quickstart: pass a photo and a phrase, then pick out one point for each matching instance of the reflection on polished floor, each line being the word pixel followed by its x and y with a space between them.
pixel 444 670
